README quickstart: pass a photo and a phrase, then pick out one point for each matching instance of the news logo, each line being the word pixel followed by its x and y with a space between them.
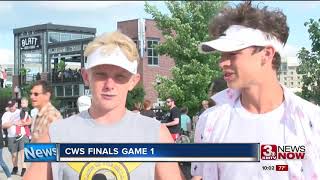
pixel 274 152
pixel 40 152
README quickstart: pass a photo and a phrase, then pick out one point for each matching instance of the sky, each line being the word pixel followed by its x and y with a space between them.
pixel 104 16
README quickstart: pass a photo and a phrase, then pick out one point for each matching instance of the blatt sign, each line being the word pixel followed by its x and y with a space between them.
pixel 29 43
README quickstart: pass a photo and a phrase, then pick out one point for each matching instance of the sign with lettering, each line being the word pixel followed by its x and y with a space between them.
pixel 30 43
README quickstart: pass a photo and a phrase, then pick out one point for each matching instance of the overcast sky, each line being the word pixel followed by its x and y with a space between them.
pixel 104 15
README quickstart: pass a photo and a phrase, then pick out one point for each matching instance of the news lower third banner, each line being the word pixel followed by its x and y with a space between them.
pixel 141 152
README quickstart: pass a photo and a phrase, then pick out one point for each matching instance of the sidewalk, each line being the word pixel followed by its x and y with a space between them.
pixel 7 158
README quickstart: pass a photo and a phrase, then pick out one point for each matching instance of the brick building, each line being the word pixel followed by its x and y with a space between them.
pixel 145 33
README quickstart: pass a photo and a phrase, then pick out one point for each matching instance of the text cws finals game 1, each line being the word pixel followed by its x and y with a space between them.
pixel 141 152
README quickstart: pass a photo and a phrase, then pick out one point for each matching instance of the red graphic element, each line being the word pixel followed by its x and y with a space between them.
pixel 282 167
pixel 268 152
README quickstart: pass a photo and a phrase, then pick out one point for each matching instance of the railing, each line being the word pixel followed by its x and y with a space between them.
pixel 66 76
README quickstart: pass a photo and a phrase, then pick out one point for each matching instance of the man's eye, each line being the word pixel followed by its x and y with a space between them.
pixel 100 74
pixel 120 76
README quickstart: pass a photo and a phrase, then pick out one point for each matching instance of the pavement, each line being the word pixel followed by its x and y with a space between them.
pixel 7 158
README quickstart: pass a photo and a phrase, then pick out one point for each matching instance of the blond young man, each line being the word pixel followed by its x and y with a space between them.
pixel 110 72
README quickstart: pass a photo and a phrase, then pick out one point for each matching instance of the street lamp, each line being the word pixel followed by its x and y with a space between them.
pixel 17 93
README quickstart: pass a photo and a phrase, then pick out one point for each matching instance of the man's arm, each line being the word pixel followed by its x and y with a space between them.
pixel 40 170
pixel 167 170
pixel 7 125
pixel 172 123
pixel 175 118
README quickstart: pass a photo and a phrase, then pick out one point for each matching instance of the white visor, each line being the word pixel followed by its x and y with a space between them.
pixel 238 37
pixel 117 58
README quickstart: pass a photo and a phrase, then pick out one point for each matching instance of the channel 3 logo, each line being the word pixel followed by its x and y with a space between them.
pixel 268 152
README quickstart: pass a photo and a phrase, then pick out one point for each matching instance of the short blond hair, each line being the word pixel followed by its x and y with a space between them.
pixel 110 41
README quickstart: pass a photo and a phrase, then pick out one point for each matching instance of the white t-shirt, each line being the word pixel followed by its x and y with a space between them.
pixel 246 127
pixel 13 117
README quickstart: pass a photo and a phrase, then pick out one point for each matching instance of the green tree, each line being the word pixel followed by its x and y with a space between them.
pixel 309 65
pixel 5 96
pixel 184 28
pixel 135 96
pixel 61 65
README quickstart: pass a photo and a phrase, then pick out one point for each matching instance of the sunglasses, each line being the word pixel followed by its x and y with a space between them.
pixel 35 94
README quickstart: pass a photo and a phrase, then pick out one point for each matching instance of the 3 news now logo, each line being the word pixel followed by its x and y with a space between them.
pixel 274 152
pixel 40 152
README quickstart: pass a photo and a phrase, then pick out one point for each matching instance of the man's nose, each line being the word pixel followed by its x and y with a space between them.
pixel 224 61
pixel 109 83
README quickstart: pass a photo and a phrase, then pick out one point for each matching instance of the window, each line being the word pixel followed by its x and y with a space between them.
pixel 87 36
pixel 75 36
pixel 153 56
pixel 68 90
pixel 54 37
pixel 75 90
pixel 59 91
pixel 291 83
pixel 65 36
pixel 291 72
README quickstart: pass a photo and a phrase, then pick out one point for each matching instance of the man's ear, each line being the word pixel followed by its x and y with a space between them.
pixel 85 76
pixel 268 54
pixel 134 81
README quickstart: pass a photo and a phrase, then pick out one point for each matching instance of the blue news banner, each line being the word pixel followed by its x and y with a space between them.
pixel 141 152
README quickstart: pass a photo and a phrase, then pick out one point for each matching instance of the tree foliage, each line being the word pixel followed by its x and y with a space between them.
pixel 135 96
pixel 184 29
pixel 5 96
pixel 310 64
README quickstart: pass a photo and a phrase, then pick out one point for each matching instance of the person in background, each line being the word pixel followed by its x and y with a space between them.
pixel 173 122
pixel 25 121
pixel 10 120
pixel 185 120
pixel 211 103
pixel 204 107
pixel 147 111
pixel 40 95
pixel 2 162
pixel 83 103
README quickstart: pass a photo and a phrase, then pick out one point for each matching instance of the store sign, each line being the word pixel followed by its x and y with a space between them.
pixel 30 43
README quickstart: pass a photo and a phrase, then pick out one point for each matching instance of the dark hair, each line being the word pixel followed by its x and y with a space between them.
pixel 184 110
pixel 46 87
pixel 211 102
pixel 171 98
pixel 273 23
pixel 217 85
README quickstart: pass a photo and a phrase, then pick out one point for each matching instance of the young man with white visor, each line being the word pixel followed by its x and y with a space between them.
pixel 255 108
pixel 110 72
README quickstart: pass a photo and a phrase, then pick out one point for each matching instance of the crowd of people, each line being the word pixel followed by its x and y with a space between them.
pixel 24 125
pixel 68 75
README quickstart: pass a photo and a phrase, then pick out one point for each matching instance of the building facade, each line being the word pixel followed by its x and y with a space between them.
pixel 288 74
pixel 145 34
pixel 54 53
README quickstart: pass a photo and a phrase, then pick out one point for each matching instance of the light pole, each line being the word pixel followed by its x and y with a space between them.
pixel 17 93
